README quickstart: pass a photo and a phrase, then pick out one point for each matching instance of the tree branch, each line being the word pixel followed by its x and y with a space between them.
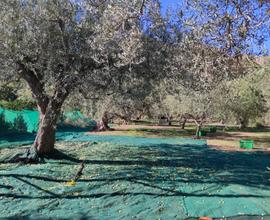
pixel 36 86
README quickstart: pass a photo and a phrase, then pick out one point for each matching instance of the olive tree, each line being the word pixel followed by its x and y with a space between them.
pixel 57 46
pixel 237 27
pixel 211 44
pixel 132 94
pixel 243 100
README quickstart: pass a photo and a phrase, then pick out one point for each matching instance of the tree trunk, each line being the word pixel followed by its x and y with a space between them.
pixel 139 117
pixel 49 110
pixel 243 123
pixel 48 116
pixel 45 139
pixel 184 123
pixel 169 119
pixel 198 129
pixel 103 125
pixel 199 123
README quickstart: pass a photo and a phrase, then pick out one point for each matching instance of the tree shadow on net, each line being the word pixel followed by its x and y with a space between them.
pixel 29 217
pixel 159 163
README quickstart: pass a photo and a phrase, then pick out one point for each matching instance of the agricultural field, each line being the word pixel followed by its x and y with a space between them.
pixel 142 109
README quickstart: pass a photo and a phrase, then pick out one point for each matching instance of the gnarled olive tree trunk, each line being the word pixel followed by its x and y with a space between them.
pixel 49 112
pixel 45 139
pixel 103 124
pixel 183 123
pixel 198 120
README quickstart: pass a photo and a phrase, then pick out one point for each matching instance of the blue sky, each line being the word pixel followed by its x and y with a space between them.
pixel 173 4
pixel 166 3
pixel 169 3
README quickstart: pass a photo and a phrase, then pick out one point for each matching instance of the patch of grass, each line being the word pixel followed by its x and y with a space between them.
pixel 222 139
pixel 231 138
pixel 162 132
pixel 154 132
pixel 249 129
pixel 144 122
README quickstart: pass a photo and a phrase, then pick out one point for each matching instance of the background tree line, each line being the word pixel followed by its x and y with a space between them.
pixel 127 60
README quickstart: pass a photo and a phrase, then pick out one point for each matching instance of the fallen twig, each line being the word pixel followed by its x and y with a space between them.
pixel 79 172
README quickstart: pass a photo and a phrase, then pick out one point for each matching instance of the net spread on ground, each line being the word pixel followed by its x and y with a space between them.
pixel 135 178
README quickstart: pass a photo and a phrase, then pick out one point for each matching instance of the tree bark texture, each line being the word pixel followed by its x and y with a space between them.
pixel 48 116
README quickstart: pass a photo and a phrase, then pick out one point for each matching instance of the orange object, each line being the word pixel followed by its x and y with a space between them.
pixel 205 218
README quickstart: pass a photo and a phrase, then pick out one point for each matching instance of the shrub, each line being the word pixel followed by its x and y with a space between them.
pixel 19 124
pixel 7 93
pixel 18 104
pixel 5 126
pixel 259 125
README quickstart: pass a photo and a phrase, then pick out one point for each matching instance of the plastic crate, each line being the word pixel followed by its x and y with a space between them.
pixel 246 144
pixel 202 133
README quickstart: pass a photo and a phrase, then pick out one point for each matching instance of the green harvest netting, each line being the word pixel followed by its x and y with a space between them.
pixel 69 119
pixel 137 178
pixel 29 117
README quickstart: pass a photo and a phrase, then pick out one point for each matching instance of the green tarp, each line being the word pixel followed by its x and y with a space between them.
pixel 137 178
pixel 30 117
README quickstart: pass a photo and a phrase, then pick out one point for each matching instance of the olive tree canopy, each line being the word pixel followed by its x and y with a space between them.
pixel 57 46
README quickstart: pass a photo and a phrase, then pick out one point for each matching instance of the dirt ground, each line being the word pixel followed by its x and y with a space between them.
pixel 222 140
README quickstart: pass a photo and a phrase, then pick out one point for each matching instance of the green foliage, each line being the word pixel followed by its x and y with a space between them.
pixel 19 124
pixel 7 93
pixel 259 125
pixel 62 118
pixel 263 79
pixel 247 103
pixel 4 126
pixel 18 104
pixel 244 100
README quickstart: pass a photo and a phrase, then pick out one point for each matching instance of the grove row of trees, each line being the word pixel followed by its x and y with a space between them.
pixel 126 58
pixel 239 101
